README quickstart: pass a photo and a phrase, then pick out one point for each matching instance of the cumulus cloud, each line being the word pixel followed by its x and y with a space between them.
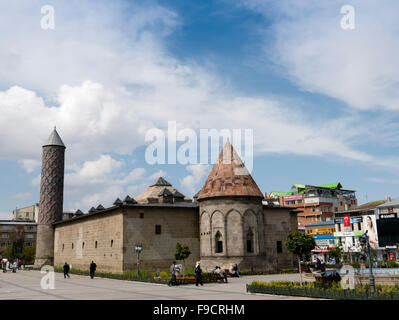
pixel 195 179
pixel 356 66
pixel 103 180
pixel 105 78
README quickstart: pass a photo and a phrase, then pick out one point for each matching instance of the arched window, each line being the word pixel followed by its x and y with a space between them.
pixel 250 240
pixel 218 242
pixel 72 245
pixel 62 246
pixel 95 244
pixel 83 245
pixel 112 242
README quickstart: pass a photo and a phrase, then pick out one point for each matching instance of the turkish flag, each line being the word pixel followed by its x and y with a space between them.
pixel 347 221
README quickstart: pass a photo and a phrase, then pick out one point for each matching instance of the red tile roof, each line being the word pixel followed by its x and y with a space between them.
pixel 229 177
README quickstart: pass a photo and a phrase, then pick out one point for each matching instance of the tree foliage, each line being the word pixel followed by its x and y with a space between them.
pixel 336 253
pixel 299 243
pixel 182 252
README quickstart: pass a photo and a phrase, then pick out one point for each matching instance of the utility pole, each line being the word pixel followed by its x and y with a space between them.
pixel 365 240
pixel 139 248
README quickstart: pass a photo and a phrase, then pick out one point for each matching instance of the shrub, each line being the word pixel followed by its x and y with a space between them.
pixel 313 289
pixel 392 264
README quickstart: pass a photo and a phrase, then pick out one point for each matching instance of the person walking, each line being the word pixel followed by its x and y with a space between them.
pixel 93 267
pixel 198 274
pixel 172 280
pixel 66 270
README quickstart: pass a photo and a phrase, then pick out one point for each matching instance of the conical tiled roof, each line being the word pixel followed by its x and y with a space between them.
pixel 54 140
pixel 229 177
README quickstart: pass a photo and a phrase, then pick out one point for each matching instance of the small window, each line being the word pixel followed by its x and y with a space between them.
pixel 218 242
pixel 249 246
pixel 112 243
pixel 279 247
pixel 83 245
pixel 62 246
pixel 157 229
pixel 141 215
pixel 95 244
pixel 72 245
pixel 219 246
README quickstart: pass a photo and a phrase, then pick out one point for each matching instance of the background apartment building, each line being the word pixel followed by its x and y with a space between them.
pixel 316 203
pixel 29 213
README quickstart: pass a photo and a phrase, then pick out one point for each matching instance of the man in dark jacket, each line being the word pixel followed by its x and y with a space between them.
pixel 66 270
pixel 198 274
pixel 173 280
pixel 93 267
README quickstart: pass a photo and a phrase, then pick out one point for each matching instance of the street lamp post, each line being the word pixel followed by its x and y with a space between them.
pixel 365 240
pixel 139 248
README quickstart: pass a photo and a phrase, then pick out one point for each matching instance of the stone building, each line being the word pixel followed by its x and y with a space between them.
pixel 228 223
pixel 235 226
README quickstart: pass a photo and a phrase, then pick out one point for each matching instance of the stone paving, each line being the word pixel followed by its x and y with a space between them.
pixel 26 285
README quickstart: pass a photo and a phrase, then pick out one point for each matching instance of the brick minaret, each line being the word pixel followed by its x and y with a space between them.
pixel 51 198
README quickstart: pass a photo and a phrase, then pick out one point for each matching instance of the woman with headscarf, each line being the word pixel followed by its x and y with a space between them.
pixel 198 274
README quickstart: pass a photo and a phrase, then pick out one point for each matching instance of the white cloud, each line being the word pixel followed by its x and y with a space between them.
pixel 195 180
pixel 105 79
pixel 30 164
pixel 103 180
pixel 22 196
pixel 356 66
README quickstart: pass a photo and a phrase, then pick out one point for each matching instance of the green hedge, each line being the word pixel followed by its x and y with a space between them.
pixel 311 290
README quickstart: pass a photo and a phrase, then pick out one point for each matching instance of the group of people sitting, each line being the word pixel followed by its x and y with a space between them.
pixel 7 265
pixel 222 274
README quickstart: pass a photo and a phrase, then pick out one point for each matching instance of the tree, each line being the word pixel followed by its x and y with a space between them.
pixel 182 252
pixel 336 253
pixel 299 244
pixel 28 254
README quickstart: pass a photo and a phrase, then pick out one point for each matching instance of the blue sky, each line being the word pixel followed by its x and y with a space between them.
pixel 322 101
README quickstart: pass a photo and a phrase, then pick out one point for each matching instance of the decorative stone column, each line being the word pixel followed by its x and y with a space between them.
pixel 51 198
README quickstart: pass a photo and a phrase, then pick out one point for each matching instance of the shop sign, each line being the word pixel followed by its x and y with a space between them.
pixel 290 198
pixel 388 216
pixel 321 248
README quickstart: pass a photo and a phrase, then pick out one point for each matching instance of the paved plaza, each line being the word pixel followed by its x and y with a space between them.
pixel 26 285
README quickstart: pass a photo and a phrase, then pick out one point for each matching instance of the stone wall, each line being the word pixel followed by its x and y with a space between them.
pixel 98 237
pixel 279 223
pixel 177 224
pixel 234 221
pixel 109 238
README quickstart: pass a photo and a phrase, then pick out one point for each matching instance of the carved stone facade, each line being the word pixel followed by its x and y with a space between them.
pixel 239 231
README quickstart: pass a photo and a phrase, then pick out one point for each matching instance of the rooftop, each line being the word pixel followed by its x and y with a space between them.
pixel 392 203
pixel 128 205
pixel 54 139
pixel 229 177
pixel 366 206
